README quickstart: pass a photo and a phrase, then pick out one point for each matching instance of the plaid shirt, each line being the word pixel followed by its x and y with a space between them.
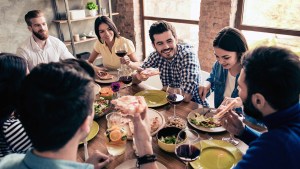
pixel 183 70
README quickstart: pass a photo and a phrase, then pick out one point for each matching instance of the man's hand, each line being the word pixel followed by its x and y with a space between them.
pixel 233 123
pixel 98 159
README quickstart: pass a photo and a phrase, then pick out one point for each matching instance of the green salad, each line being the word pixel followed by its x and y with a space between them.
pixel 168 139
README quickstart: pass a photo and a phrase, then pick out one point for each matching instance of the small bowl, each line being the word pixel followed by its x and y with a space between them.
pixel 167 131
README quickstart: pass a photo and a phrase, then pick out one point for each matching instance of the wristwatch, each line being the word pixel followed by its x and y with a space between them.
pixel 148 158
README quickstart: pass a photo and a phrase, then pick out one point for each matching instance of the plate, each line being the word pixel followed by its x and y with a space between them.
pixel 154 98
pixel 201 111
pixel 217 154
pixel 97 88
pixel 151 115
pixel 93 132
pixel 131 164
pixel 114 79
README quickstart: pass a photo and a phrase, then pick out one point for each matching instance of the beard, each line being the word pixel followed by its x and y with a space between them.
pixel 250 110
pixel 42 34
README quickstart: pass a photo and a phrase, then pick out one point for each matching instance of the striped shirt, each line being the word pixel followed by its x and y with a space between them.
pixel 13 138
pixel 183 70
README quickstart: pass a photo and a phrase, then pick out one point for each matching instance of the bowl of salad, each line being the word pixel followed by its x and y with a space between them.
pixel 166 138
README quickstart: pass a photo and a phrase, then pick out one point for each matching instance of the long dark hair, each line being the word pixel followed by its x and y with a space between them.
pixel 12 71
pixel 231 39
pixel 109 22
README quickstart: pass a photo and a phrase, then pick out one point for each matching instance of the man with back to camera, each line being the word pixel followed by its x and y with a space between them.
pixel 41 47
pixel 57 113
pixel 177 63
pixel 269 86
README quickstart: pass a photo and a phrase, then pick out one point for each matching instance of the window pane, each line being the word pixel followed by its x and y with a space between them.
pixel 179 9
pixel 282 14
pixel 187 33
pixel 255 39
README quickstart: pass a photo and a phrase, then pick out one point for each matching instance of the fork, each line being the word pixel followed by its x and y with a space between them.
pixel 204 113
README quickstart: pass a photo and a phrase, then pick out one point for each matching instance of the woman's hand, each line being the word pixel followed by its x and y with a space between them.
pixel 204 89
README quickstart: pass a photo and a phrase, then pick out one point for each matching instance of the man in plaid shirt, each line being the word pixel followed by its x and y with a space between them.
pixel 177 63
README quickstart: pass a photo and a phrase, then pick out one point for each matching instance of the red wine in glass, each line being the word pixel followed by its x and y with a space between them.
pixel 121 53
pixel 174 98
pixel 187 153
pixel 125 79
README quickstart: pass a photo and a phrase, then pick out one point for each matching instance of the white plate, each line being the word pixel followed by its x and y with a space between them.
pixel 131 164
pixel 201 111
pixel 114 79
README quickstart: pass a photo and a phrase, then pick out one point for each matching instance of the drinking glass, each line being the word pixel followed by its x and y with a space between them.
pixel 125 76
pixel 186 147
pixel 116 134
pixel 174 97
pixel 121 51
pixel 231 138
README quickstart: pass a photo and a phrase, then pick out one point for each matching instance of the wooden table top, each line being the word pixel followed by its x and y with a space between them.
pixel 168 159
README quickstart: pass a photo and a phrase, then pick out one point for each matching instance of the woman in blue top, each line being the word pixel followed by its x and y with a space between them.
pixel 229 46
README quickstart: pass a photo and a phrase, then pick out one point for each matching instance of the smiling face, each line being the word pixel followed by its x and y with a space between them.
pixel 39 28
pixel 227 59
pixel 165 44
pixel 106 33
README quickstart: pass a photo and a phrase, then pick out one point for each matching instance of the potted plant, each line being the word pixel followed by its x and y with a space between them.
pixel 92 7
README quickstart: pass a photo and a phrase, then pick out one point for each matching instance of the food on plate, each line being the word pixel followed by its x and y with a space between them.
pixel 126 104
pixel 226 109
pixel 176 122
pixel 101 106
pixel 201 120
pixel 154 124
pixel 106 93
pixel 168 139
pixel 117 118
pixel 104 75
pixel 149 72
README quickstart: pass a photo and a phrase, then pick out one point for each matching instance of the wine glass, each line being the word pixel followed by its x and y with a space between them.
pixel 121 51
pixel 186 147
pixel 174 97
pixel 231 138
pixel 125 76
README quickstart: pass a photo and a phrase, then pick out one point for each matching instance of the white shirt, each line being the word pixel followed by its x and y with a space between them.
pixel 230 83
pixel 54 51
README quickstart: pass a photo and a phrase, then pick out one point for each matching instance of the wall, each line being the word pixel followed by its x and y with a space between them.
pixel 214 15
pixel 129 22
pixel 13 29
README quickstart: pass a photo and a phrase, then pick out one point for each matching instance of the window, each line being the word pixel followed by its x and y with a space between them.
pixel 270 22
pixel 184 15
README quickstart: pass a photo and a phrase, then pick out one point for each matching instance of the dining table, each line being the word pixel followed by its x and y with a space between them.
pixel 169 160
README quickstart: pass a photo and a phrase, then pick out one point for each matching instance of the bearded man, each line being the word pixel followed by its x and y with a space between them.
pixel 41 47
pixel 269 86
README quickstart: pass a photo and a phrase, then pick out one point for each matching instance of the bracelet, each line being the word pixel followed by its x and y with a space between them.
pixel 148 158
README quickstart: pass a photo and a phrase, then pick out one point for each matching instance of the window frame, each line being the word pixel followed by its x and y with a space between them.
pixel 152 18
pixel 240 26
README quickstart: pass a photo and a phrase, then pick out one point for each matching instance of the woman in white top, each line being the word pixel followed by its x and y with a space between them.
pixel 108 39
pixel 13 138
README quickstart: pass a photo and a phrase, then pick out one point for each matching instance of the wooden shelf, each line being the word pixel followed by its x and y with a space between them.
pixel 86 18
pixel 68 43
